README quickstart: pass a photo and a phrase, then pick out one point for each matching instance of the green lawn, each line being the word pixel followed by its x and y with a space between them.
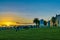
pixel 31 34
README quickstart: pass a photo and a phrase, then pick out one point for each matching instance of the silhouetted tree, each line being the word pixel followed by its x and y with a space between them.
pixel 53 20
pixel 36 21
pixel 45 22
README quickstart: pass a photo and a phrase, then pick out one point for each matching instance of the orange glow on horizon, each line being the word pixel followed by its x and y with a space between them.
pixel 7 23
pixel 11 19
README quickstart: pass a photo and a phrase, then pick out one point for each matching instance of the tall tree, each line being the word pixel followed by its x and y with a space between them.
pixel 45 22
pixel 37 22
pixel 53 20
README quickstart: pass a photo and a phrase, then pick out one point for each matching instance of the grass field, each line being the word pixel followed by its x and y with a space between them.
pixel 31 34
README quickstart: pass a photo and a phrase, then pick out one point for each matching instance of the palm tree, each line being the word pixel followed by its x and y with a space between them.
pixel 53 20
pixel 36 21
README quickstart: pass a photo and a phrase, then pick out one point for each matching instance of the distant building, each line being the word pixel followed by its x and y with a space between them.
pixel 58 20
pixel 41 22
pixel 48 23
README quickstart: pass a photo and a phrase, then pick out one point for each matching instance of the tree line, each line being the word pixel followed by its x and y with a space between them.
pixel 37 21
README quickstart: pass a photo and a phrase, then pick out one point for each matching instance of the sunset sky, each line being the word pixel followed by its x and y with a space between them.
pixel 17 10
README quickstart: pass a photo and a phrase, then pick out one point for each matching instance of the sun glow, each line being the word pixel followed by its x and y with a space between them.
pixel 8 23
pixel 8 18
